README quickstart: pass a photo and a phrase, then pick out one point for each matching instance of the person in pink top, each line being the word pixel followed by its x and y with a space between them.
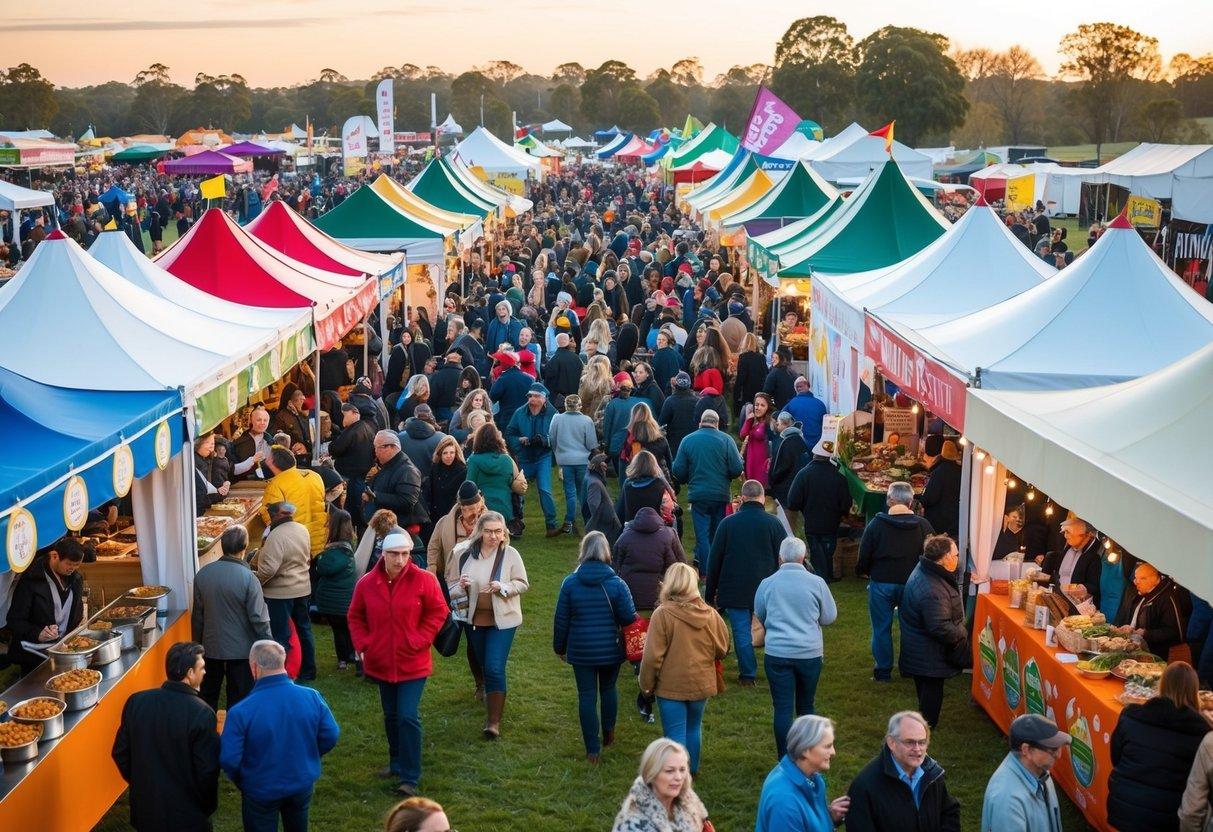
pixel 757 430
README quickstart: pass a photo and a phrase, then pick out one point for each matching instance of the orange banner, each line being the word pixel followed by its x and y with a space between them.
pixel 1015 673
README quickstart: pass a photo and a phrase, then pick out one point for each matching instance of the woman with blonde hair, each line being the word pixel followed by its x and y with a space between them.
pixel 644 434
pixel 662 797
pixel 491 579
pixel 595 387
pixel 685 641
pixel 593 312
pixel 417 814
pixel 600 331
pixel 477 399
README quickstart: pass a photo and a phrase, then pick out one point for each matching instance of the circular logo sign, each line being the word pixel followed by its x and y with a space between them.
pixel 276 361
pixel 163 445
pixel 75 504
pixel 233 394
pixel 124 470
pixel 21 542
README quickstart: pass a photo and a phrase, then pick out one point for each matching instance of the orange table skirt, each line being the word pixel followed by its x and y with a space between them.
pixel 1015 673
pixel 72 788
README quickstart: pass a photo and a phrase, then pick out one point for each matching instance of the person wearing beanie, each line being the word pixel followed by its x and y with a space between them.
pixel 941 497
pixel 573 440
pixel 562 372
pixel 527 435
pixel 510 389
pixel 562 320
pixel 677 417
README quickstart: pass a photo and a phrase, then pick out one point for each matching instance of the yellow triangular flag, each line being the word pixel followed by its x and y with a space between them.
pixel 214 188
pixel 111 225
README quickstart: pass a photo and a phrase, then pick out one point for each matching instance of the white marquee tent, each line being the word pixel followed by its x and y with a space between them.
pixel 484 150
pixel 866 153
pixel 1150 169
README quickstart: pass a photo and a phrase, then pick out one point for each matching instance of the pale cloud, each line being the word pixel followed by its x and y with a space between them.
pixel 87 25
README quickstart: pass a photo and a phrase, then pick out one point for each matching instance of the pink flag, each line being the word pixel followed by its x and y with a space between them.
pixel 770 124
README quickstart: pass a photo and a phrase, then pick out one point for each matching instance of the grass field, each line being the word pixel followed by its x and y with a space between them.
pixel 535 778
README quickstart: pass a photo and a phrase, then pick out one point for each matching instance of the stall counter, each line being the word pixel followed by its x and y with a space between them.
pixel 74 782
pixel 1014 672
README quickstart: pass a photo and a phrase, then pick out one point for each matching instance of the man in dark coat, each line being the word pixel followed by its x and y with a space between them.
pixel 509 391
pixel 888 552
pixel 941 498
pixel 470 349
pixel 444 387
pixel 934 639
pixel 790 457
pixel 745 550
pixel 902 789
pixel 820 493
pixel 1080 563
pixel 353 453
pixel 781 381
pixel 562 372
pixel 677 417
pixel 167 748
pixel 397 486
pixel 48 602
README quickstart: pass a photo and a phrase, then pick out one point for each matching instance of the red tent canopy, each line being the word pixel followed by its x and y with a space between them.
pixel 222 259
pixel 634 149
pixel 697 172
pixel 283 230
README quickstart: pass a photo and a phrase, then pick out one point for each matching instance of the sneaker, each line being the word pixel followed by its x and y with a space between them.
pixel 385 772
pixel 342 665
pixel 745 683
pixel 593 759
pixel 568 528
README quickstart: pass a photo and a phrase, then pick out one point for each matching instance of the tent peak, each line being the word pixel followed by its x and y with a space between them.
pixel 1122 220
pixel 981 202
pixel 57 234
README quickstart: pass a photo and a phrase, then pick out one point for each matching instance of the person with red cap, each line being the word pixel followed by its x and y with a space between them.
pixel 510 389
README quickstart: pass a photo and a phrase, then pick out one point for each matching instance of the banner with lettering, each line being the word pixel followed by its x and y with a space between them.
pixel 1144 211
pixel 1021 192
pixel 771 123
pixel 938 388
pixel 385 108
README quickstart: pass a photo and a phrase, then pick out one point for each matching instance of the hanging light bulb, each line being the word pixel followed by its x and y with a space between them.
pixel 963 441
pixel 914 407
pixel 980 455
pixel 1031 493
pixel 1049 510
pixel 989 469
pixel 1012 483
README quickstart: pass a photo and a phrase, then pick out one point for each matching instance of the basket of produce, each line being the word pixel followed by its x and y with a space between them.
pixel 79 689
pixel 42 711
pixel 19 741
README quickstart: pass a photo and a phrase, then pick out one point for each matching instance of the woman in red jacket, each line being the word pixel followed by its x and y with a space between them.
pixel 397 610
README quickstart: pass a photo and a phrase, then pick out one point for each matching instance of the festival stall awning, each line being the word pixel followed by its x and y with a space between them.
pixel 635 149
pixel 711 138
pixel 800 193
pixel 489 153
pixel 530 145
pixel 659 152
pixel 740 167
pixel 16 198
pixel 243 149
pixel 1129 454
pixel 449 126
pixel 1192 199
pixel 465 228
pixel 764 251
pixel 511 202
pixel 286 232
pixel 207 162
pixel 556 126
pixel 438 185
pixel 222 259
pixel 16 152
pixel 610 132
pixel 68 450
pixel 368 222
pixel 882 223
pixel 797 146
pixel 1116 314
pixel 1149 169
pixel 972 163
pixel 866 153
pixel 617 143
pixel 744 195
pixel 139 153
pixel 576 142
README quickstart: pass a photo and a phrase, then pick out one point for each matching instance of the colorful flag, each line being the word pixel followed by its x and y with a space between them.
pixel 213 188
pixel 1021 192
pixel 770 124
pixel 886 133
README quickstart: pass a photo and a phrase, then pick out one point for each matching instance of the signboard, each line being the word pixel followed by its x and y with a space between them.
pixel 1144 211
pixel 385 108
pixel 21 542
pixel 508 182
pixel 10 156
pixel 900 420
pixel 75 504
pixel 1021 192
pixel 923 378
pixel 124 470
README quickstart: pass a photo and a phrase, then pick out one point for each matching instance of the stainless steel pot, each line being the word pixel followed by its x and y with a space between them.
pixel 110 649
pixel 13 754
pixel 77 700
pixel 62 660
pixel 52 726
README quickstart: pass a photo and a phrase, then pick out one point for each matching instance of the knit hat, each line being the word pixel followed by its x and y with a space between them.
pixel 537 389
pixel 363 389
pixel 564 296
pixel 423 412
pixel 329 477
pixel 505 359
pixel 736 307
pixel 682 380
pixel 398 540
pixel 672 302
pixel 469 493
pixel 622 379
pixel 667 284
pixel 572 403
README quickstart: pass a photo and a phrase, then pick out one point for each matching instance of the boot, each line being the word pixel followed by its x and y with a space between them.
pixel 494 705
pixel 608 737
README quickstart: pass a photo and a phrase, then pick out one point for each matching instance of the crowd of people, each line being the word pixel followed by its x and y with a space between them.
pixel 604 344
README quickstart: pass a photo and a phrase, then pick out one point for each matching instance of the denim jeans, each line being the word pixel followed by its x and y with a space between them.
pixel 821 554
pixel 683 722
pixel 282 612
pixel 402 723
pixel 793 688
pixel 747 662
pixel 540 473
pixel 262 815
pixel 574 489
pixel 883 601
pixel 354 488
pixel 593 684
pixel 705 516
pixel 493 650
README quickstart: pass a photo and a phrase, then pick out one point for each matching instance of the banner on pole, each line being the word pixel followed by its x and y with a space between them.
pixel 385 107
pixel 771 123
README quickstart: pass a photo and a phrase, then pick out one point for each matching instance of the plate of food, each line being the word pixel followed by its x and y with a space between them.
pixel 148 593
pixel 1086 669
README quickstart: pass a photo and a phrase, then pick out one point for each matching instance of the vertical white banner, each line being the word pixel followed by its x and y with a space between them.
pixel 385 108
pixel 354 138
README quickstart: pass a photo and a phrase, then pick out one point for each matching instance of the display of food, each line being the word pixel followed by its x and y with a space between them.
pixel 229 508
pixel 110 549
pixel 78 644
pixel 101 624
pixel 73 680
pixel 41 708
pixel 212 527
pixel 1112 661
pixel 13 734
pixel 1086 669
pixel 148 592
pixel 114 613
pixel 3 707
pixel 1143 673
pixel 124 537
pixel 1112 644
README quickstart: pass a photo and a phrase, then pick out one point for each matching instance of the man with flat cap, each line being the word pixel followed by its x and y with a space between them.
pixel 1020 796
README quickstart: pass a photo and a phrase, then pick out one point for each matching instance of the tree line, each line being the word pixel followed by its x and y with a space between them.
pixel 1112 86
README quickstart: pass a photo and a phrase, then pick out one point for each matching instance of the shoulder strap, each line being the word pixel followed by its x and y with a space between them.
pixel 495 575
pixel 463 559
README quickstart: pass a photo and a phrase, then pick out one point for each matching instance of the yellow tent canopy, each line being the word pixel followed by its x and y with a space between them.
pixel 743 196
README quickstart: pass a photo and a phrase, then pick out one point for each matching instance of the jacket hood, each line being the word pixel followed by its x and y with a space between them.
pixel 640 482
pixel 696 614
pixel 792 430
pixel 1161 712
pixel 647 521
pixel 418 428
pixel 594 573
pixel 900 521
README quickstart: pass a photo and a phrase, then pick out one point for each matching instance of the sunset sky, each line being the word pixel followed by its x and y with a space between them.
pixel 283 42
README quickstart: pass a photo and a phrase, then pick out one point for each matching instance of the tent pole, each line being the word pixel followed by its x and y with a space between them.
pixel 366 344
pixel 316 409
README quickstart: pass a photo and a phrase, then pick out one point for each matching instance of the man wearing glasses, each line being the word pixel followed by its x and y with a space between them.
pixel 1020 796
pixel 903 788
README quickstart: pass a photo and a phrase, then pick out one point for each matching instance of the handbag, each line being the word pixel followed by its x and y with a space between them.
pixel 758 633
pixel 518 484
pixel 447 640
pixel 633 635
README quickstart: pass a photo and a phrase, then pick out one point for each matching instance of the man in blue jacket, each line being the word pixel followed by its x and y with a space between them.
pixel 503 328
pixel 527 435
pixel 272 743
pixel 808 410
pixel 707 462
pixel 509 391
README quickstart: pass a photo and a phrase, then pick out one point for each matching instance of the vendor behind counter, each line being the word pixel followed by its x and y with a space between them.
pixel 48 603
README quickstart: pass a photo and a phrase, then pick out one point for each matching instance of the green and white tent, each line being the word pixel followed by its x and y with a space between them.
pixel 763 252
pixel 368 222
pixel 801 193
pixel 710 138
pixel 438 185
